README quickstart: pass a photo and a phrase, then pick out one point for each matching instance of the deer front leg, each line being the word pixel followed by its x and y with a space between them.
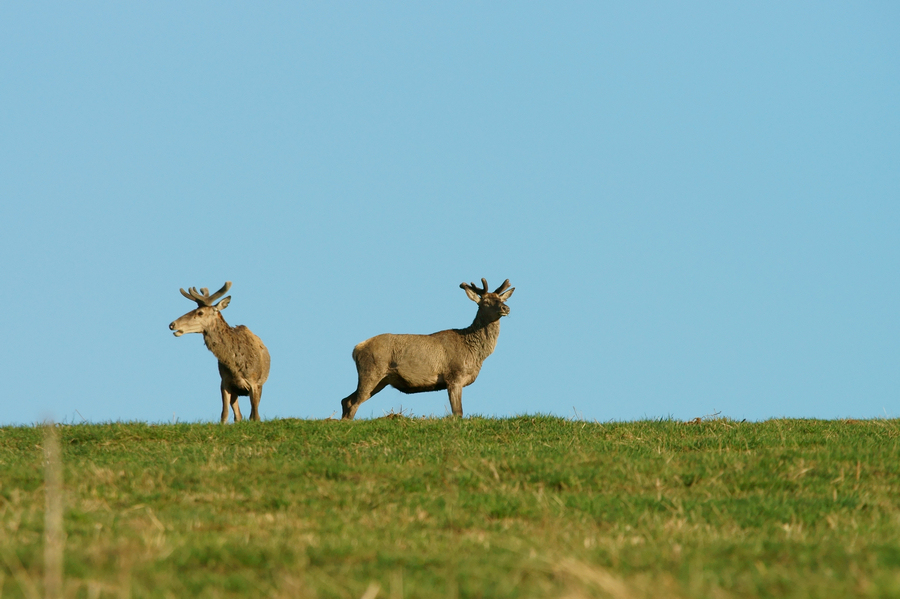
pixel 236 408
pixel 455 393
pixel 231 399
pixel 255 396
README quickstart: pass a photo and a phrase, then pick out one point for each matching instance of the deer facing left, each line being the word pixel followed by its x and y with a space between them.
pixel 243 359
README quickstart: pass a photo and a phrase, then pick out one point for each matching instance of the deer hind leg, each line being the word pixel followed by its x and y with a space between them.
pixel 365 389
pixel 348 409
pixel 455 393
pixel 255 396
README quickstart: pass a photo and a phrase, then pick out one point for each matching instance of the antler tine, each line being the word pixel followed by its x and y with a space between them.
pixel 202 297
pixel 194 296
pixel 484 287
pixel 502 287
pixel 220 292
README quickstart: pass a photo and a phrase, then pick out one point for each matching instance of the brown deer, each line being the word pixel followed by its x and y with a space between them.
pixel 448 359
pixel 243 359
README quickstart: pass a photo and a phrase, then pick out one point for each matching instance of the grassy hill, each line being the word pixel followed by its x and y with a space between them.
pixel 530 506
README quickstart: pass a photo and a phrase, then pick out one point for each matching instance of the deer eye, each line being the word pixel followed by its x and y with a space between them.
pixel 199 312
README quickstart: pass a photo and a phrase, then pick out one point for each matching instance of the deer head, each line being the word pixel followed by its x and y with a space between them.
pixel 491 306
pixel 196 321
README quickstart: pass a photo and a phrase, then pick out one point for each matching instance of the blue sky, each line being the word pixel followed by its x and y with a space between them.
pixel 698 203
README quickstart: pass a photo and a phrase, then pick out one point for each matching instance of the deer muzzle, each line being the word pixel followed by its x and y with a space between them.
pixel 177 333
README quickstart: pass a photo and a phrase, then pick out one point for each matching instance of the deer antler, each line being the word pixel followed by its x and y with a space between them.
pixel 202 297
pixel 473 287
pixel 220 292
pixel 502 287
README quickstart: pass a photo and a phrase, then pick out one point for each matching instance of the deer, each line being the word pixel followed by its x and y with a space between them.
pixel 243 359
pixel 449 359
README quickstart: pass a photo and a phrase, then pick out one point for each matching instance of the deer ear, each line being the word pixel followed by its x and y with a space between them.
pixel 223 304
pixel 505 295
pixel 472 295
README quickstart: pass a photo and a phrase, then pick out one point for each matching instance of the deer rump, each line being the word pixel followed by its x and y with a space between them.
pixel 412 363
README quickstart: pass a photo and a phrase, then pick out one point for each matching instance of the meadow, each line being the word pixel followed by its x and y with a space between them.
pixel 529 506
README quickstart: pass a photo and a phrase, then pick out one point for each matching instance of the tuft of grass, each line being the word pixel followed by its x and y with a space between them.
pixel 531 506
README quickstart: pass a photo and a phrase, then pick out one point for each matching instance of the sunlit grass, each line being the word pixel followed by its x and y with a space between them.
pixel 530 506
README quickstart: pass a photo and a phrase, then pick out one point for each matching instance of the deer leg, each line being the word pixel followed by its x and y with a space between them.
pixel 347 409
pixel 364 390
pixel 255 396
pixel 236 408
pixel 455 393
pixel 226 399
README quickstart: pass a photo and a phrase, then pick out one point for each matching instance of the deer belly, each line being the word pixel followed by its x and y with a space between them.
pixel 237 389
pixel 415 368
pixel 235 384
pixel 417 384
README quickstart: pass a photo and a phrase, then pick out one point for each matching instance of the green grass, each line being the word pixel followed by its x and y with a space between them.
pixel 531 506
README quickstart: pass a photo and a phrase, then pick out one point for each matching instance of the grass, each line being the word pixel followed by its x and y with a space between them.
pixel 531 506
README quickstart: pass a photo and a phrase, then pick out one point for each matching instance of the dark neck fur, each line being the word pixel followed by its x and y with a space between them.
pixel 218 339
pixel 481 336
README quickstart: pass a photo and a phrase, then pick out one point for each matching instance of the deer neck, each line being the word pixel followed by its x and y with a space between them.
pixel 217 338
pixel 481 337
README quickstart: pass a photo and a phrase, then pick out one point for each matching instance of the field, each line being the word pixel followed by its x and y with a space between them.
pixel 530 506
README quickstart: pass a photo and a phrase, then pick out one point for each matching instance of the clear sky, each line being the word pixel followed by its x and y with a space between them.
pixel 698 203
